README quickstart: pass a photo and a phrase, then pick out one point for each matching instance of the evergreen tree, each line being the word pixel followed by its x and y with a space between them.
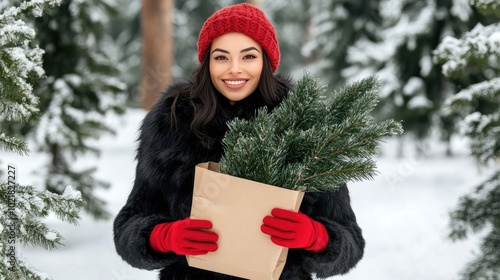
pixel 477 53
pixel 22 207
pixel 336 26
pixel 400 53
pixel 309 142
pixel 83 85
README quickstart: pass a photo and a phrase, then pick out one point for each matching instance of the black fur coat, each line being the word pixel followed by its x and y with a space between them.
pixel 163 186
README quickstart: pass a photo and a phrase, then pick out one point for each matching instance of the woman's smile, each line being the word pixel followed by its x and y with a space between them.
pixel 235 84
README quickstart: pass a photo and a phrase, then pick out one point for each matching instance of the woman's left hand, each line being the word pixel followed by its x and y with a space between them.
pixel 295 230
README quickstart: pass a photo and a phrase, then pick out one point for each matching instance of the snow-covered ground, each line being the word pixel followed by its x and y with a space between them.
pixel 403 213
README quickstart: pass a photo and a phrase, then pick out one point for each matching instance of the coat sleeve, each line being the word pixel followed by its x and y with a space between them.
pixel 346 243
pixel 156 196
pixel 132 228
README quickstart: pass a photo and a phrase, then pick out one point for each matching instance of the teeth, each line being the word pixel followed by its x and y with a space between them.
pixel 234 83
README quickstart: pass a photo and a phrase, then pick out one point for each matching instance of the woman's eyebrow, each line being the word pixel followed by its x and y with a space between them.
pixel 242 51
pixel 219 50
pixel 249 49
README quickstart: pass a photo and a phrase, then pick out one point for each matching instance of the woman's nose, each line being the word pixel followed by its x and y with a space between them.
pixel 235 67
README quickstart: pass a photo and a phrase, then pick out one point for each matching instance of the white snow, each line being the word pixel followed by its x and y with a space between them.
pixel 413 86
pixel 425 65
pixel 483 41
pixel 52 236
pixel 51 122
pixel 461 9
pixel 485 3
pixel 419 101
pixel 69 192
pixel 38 204
pixel 484 89
pixel 403 213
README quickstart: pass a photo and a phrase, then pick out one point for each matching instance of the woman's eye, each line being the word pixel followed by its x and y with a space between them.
pixel 249 56
pixel 220 57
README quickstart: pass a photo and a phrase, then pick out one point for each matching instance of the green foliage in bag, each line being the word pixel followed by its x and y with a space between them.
pixel 309 142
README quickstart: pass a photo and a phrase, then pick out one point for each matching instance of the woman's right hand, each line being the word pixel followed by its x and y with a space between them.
pixel 184 237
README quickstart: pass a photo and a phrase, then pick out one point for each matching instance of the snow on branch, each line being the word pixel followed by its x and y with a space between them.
pixel 19 61
pixel 22 221
pixel 33 8
pixel 488 90
pixel 487 6
pixel 477 45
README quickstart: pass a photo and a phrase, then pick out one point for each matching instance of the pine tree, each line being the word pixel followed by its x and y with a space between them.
pixel 309 142
pixel 400 53
pixel 83 85
pixel 23 207
pixel 336 26
pixel 477 53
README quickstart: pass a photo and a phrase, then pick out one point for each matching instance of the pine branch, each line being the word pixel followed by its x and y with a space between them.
pixel 466 98
pixel 474 49
pixel 35 233
pixel 28 8
pixel 13 144
pixel 487 7
pixel 31 205
pixel 471 216
pixel 84 183
pixel 23 222
pixel 308 142
pixel 22 271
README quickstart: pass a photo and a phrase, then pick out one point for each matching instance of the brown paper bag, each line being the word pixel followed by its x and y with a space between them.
pixel 236 208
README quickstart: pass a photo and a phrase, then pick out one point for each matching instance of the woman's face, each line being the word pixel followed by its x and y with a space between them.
pixel 236 62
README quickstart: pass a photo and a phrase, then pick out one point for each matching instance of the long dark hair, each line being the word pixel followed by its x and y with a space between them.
pixel 203 97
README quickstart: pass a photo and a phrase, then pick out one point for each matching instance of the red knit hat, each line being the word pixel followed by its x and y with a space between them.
pixel 242 18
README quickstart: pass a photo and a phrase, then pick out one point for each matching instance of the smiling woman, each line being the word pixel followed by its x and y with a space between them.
pixel 235 65
pixel 239 54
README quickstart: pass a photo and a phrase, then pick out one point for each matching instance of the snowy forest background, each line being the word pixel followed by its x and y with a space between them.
pixel 76 76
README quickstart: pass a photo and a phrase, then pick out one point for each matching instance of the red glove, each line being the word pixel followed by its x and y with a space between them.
pixel 295 230
pixel 184 237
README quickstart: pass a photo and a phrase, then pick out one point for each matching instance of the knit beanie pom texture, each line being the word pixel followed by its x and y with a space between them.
pixel 242 18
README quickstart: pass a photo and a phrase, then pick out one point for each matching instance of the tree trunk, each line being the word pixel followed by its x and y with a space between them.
pixel 157 31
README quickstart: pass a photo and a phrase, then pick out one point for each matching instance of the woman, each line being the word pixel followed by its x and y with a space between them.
pixel 238 53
